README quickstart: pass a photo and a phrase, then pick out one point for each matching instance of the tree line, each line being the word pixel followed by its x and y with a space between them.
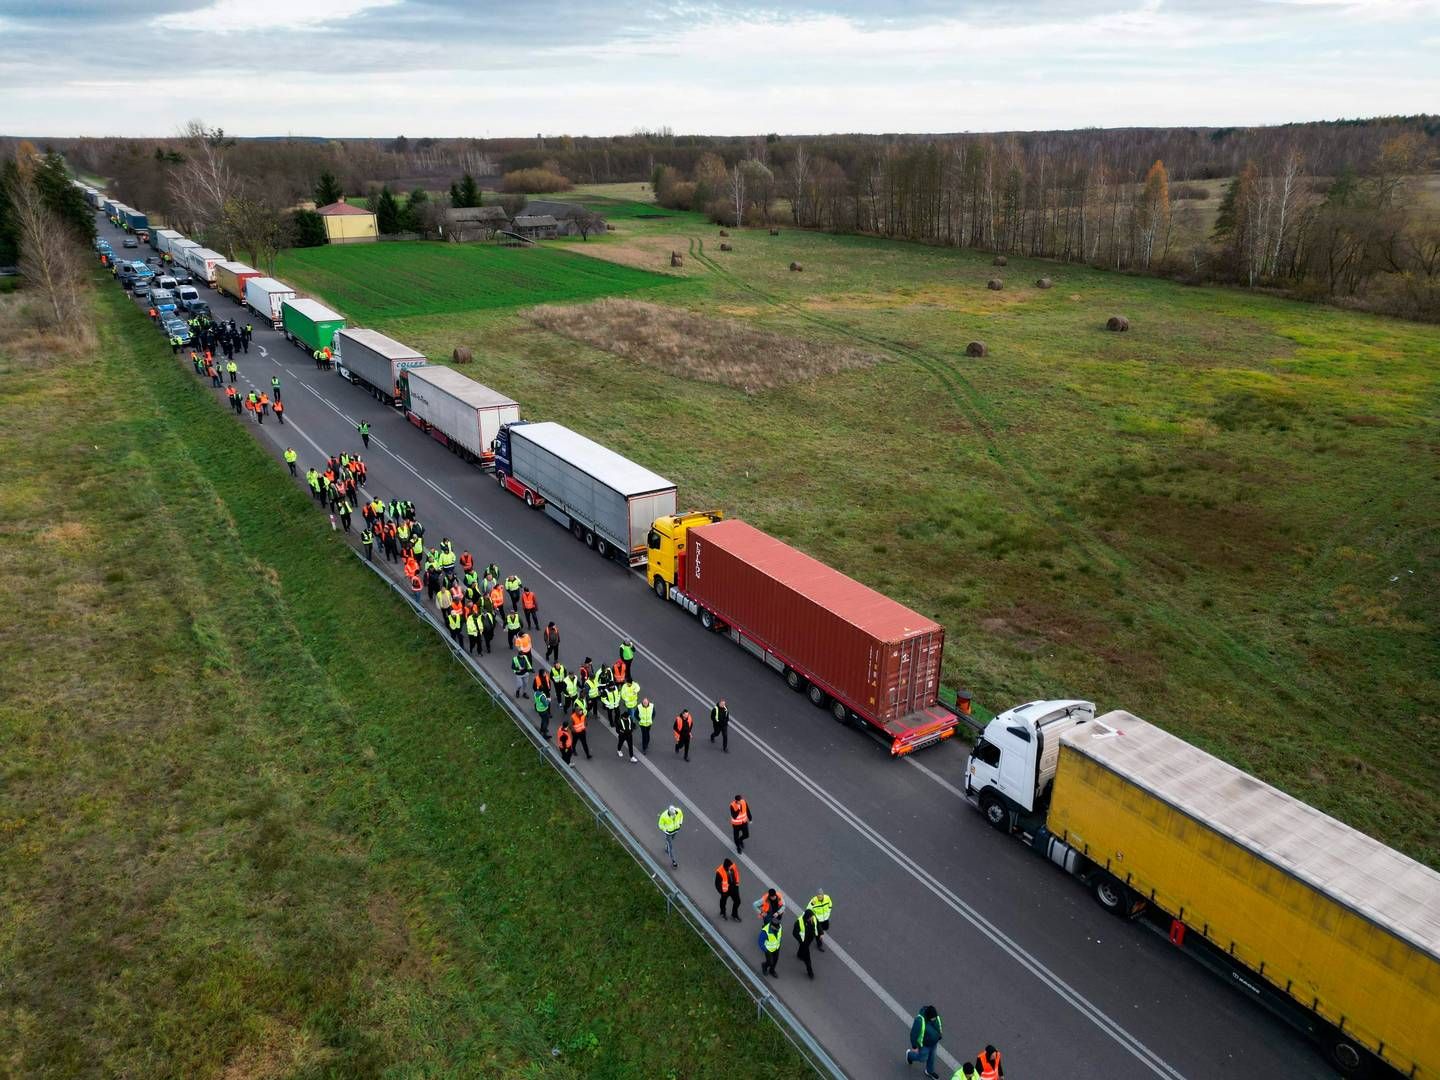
pixel 47 229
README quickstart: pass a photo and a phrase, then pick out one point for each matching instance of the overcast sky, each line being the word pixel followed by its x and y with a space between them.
pixel 598 67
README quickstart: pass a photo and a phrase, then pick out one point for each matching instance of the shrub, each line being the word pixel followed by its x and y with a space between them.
pixel 534 182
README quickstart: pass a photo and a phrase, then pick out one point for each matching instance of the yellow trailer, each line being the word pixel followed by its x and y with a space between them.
pixel 1312 917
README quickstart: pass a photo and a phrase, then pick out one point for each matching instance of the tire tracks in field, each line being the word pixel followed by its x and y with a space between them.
pixel 1037 492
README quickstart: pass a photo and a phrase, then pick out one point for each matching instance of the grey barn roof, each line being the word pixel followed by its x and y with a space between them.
pixel 535 221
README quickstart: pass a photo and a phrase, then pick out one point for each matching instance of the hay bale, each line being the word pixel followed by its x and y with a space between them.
pixel 724 232
pixel 609 227
pixel 995 283
pixel 774 232
pixel 1118 323
pixel 462 354
pixel 1043 283
pixel 676 259
pixel 999 260
pixel 796 266
pixel 976 348
pixel 726 247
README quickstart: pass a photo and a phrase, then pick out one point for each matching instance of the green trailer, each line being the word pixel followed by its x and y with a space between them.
pixel 309 324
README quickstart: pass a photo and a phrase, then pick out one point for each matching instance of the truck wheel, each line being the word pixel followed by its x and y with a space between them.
pixel 589 539
pixel 602 548
pixel 500 478
pixel 1348 1057
pixel 817 696
pixel 577 531
pixel 1112 895
pixel 839 711
pixel 661 589
pixel 794 679
pixel 530 499
pixel 995 812
pixel 707 619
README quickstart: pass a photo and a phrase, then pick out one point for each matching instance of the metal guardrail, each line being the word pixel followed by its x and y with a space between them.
pixel 676 900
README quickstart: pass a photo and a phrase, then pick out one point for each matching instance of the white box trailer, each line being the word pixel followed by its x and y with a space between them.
pixel 179 249
pixel 165 238
pixel 264 295
pixel 604 499
pixel 456 411
pixel 201 262
pixel 370 359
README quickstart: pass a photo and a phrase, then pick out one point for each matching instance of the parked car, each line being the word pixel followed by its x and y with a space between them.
pixel 163 301
pixel 186 293
pixel 181 275
pixel 177 329
pixel 199 308
pixel 130 241
pixel 141 288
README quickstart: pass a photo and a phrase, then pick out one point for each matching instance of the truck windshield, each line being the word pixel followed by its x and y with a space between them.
pixel 653 540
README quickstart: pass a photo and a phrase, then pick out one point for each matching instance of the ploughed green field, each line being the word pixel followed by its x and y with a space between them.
pixel 369 282
pixel 1224 520
pixel 255 821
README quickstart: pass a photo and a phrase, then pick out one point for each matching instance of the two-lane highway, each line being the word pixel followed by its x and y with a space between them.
pixel 930 904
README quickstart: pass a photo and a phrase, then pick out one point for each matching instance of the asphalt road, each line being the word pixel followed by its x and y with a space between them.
pixel 931 905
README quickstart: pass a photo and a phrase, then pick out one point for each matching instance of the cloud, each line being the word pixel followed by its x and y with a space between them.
pixel 267 16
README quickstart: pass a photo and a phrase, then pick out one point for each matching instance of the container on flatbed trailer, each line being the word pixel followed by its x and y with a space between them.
pixel 457 411
pixel 604 499
pixel 265 295
pixel 230 278
pixel 1326 927
pixel 855 651
pixel 309 323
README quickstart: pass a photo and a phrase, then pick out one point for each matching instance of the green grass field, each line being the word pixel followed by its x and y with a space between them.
pixel 255 821
pixel 1223 520
pixel 370 282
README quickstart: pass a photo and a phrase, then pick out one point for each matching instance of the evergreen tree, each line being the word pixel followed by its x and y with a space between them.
pixel 63 198
pixel 9 227
pixel 328 190
pixel 387 211
pixel 466 193
pixel 309 229
pixel 412 218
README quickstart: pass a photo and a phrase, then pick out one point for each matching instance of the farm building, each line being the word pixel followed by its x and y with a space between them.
pixel 346 224
pixel 566 215
pixel 536 226
pixel 474 222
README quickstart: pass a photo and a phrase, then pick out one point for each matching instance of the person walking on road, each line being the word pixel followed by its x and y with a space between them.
pixel 364 429
pixel 644 720
pixel 988 1065
pixel 625 728
pixel 684 725
pixel 512 586
pixel 542 710
pixel 770 934
pixel 925 1034
pixel 772 903
pixel 627 653
pixel 804 931
pixel 821 905
pixel 565 740
pixel 512 628
pixel 720 724
pixel 551 637
pixel 727 884
pixel 740 822
pixel 231 369
pixel 279 411
pixel 368 539
pixel 577 725
pixel 275 387
pixel 487 628
pixel 966 1071
pixel 671 818
pixel 520 665
pixel 530 604
pixel 290 458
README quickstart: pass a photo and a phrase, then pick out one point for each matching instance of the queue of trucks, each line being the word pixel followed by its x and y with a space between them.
pixel 1328 928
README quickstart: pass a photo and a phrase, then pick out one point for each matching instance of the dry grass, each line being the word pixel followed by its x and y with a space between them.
pixel 695 346
pixel 26 330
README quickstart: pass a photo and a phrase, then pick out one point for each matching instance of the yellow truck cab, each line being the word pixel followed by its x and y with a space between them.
pixel 666 546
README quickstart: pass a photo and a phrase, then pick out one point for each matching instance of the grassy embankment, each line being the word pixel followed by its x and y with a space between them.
pixel 1223 520
pixel 256 821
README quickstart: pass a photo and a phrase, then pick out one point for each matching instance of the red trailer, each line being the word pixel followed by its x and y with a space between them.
pixel 856 652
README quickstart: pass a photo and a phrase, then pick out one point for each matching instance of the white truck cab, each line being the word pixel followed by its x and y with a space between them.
pixel 1013 763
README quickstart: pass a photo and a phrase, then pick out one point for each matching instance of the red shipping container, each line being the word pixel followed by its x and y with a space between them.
pixel 864 649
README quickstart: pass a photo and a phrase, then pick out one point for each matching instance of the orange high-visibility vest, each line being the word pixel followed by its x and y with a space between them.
pixel 739 812
pixel 565 739
pixel 577 720
pixel 989 1067
pixel 527 600
pixel 728 881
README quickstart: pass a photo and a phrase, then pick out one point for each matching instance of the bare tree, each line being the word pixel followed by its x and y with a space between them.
pixel 799 185
pixel 205 181
pixel 586 222
pixel 737 191
pixel 255 224
pixel 50 257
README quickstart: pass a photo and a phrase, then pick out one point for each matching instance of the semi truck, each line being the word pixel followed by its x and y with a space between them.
pixel 181 248
pixel 855 652
pixel 456 411
pixel 604 499
pixel 309 323
pixel 135 221
pixel 370 359
pixel 1328 928
pixel 201 261
pixel 265 296
pixel 163 239
pixel 230 278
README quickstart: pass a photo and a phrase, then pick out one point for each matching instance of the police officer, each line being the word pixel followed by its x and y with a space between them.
pixel 671 818
pixel 770 934
pixel 644 718
pixel 804 933
pixel 290 458
pixel 821 905
pixel 368 539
